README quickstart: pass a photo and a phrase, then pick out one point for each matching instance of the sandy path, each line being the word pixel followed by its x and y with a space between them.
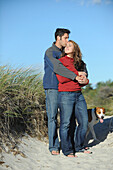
pixel 39 158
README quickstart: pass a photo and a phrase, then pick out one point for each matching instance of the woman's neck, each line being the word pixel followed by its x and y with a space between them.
pixel 70 55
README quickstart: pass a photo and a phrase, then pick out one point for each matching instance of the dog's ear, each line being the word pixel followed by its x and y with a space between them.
pixel 104 109
pixel 95 109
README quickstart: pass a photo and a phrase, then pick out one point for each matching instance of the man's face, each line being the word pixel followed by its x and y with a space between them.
pixel 64 40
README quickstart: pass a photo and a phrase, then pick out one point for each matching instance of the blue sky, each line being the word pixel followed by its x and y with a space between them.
pixel 27 29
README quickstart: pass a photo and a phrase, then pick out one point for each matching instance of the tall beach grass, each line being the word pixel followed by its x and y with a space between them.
pixel 22 105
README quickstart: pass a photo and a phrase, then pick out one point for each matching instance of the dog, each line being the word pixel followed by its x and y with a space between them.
pixel 94 116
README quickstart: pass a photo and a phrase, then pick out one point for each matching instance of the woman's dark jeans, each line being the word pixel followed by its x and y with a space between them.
pixel 70 101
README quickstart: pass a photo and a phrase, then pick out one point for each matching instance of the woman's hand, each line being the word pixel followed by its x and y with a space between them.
pixel 82 79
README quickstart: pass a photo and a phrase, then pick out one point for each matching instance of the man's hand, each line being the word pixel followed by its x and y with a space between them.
pixel 82 79
pixel 81 73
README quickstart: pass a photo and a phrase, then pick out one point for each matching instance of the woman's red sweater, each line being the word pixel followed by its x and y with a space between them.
pixel 66 84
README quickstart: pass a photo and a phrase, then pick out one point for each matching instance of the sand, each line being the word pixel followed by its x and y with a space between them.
pixel 36 155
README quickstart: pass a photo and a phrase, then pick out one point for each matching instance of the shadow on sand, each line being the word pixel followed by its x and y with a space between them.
pixel 101 130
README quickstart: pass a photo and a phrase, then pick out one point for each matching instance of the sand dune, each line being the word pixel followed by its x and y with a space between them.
pixel 35 154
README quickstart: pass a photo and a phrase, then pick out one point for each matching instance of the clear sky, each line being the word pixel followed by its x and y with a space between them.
pixel 27 29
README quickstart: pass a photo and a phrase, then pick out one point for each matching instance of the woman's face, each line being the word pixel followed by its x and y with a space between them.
pixel 69 49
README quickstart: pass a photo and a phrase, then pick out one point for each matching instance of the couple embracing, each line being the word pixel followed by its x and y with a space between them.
pixel 65 74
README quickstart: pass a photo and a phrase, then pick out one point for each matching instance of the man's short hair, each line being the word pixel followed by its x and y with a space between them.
pixel 60 32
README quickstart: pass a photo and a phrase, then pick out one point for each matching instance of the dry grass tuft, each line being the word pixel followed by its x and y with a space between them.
pixel 22 106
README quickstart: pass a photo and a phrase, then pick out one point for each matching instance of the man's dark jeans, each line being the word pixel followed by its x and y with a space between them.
pixel 52 96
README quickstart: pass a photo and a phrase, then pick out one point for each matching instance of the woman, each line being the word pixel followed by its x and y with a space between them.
pixel 71 99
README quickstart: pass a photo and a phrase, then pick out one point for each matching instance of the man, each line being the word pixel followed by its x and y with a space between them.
pixel 51 66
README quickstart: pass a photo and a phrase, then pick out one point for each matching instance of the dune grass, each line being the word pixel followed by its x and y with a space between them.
pixel 22 104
